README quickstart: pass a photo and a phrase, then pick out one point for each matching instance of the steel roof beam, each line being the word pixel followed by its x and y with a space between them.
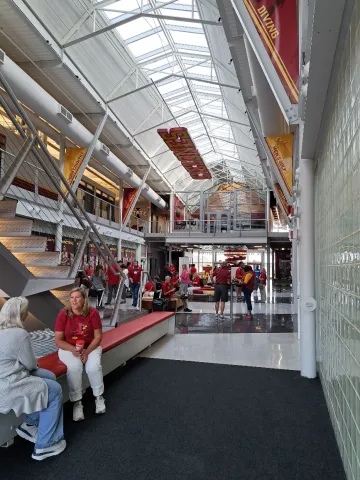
pixel 131 18
pixel 167 77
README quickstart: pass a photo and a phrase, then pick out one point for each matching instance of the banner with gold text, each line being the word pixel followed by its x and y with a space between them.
pixel 281 197
pixel 128 199
pixel 74 158
pixel 277 24
pixel 282 151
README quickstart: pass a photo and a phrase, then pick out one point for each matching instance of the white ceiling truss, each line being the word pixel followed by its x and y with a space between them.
pixel 179 57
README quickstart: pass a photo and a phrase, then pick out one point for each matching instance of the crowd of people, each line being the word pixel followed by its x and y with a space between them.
pixel 27 389
pixel 97 281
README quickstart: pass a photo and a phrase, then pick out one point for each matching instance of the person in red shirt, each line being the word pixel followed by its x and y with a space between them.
pixel 80 322
pixel 196 281
pixel 168 292
pixel 239 277
pixel 135 278
pixel 192 270
pixel 175 281
pixel 113 280
pixel 221 278
pixel 262 285
pixel 172 269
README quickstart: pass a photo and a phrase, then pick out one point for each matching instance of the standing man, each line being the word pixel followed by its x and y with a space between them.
pixel 113 280
pixel 221 278
pixel 135 278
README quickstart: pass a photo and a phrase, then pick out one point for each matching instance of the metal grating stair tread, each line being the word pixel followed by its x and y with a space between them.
pixel 50 272
pixel 8 208
pixel 24 244
pixel 38 259
pixel 15 227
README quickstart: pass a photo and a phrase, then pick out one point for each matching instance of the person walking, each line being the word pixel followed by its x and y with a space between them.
pixel 221 278
pixel 262 285
pixel 184 280
pixel 248 288
pixel 135 278
pixel 98 283
pixel 113 280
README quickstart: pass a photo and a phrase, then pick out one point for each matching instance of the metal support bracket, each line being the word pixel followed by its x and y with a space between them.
pixel 138 193
pixel 8 178
pixel 79 254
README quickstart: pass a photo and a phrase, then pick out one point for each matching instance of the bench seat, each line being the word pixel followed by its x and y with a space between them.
pixel 119 345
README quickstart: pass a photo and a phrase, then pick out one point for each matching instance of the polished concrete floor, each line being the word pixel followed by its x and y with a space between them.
pixel 269 340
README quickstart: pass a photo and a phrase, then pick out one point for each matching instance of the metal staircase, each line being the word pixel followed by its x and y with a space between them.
pixel 26 268
pixel 34 270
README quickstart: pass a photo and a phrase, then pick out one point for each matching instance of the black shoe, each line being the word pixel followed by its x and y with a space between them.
pixel 108 303
pixel 187 310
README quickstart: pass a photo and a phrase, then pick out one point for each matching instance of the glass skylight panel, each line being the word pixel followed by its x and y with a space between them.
pixel 171 86
pixel 191 39
pixel 148 44
pixel 136 26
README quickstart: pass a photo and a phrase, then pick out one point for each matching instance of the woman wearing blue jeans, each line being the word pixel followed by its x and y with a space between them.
pixel 27 389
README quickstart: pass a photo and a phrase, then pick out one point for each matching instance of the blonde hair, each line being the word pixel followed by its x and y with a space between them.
pixel 86 308
pixel 13 313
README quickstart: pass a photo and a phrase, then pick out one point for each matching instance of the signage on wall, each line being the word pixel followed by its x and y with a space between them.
pixel 281 197
pixel 128 199
pixel 277 24
pixel 281 148
pixel 74 158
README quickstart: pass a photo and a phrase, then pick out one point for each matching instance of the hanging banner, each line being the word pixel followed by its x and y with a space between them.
pixel 281 197
pixel 74 158
pixel 128 199
pixel 277 24
pixel 282 151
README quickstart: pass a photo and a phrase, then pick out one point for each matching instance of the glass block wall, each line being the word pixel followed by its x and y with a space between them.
pixel 337 210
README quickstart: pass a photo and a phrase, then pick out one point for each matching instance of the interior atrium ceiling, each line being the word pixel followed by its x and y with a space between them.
pixel 161 65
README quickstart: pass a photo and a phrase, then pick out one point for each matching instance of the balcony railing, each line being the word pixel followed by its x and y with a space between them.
pixel 210 228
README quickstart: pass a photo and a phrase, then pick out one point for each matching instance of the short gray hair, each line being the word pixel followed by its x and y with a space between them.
pixel 13 313
pixel 167 276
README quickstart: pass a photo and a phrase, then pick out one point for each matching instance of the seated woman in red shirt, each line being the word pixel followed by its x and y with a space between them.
pixel 168 292
pixel 175 281
pixel 75 324
pixel 149 289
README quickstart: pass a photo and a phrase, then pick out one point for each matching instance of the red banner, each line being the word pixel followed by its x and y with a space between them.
pixel 128 199
pixel 277 25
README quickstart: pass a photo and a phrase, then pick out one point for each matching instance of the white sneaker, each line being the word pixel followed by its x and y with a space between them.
pixel 217 316
pixel 28 432
pixel 222 317
pixel 42 453
pixel 78 412
pixel 100 405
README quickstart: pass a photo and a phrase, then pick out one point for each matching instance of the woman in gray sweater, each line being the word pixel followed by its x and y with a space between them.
pixel 25 388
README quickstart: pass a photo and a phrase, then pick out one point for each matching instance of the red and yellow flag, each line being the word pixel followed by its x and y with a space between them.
pixel 277 24
pixel 282 151
pixel 74 158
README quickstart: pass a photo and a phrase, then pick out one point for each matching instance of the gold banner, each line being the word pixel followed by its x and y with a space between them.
pixel 282 151
pixel 74 158
pixel 281 197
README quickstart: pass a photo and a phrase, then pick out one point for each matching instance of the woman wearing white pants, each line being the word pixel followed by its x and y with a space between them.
pixel 74 325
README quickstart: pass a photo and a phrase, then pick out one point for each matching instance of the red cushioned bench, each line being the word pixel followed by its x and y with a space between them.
pixel 119 345
pixel 111 339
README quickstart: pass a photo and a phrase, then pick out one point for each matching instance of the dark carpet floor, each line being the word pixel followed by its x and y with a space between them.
pixel 170 420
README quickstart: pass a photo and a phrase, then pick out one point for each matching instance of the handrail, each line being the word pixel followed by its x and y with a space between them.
pixel 66 197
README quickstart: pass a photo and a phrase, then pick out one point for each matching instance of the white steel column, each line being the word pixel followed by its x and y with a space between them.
pixel 307 270
pixel 171 226
pixel 121 197
pixel 59 225
pixel 294 273
pixel 170 254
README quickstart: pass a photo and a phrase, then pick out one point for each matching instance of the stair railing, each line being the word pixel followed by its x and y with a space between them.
pixel 67 194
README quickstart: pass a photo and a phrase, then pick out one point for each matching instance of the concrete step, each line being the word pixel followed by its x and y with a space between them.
pixel 8 208
pixel 15 227
pixel 38 259
pixel 24 244
pixel 50 272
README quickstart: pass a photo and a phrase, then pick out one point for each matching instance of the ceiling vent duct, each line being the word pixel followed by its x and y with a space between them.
pixel 105 149
pixel 65 113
